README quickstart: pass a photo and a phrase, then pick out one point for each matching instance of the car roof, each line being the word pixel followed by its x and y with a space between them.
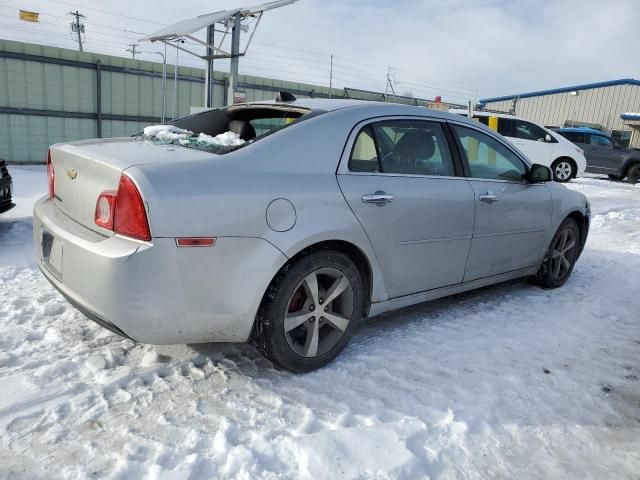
pixel 580 130
pixel 375 108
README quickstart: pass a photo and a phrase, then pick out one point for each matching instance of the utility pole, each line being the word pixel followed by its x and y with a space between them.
pixel 389 83
pixel 235 56
pixel 331 77
pixel 77 27
pixel 175 82
pixel 209 75
pixel 132 49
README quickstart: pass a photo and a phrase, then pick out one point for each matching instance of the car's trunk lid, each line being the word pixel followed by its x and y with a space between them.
pixel 85 169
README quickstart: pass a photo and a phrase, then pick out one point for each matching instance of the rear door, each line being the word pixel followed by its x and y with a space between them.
pixel 401 182
pixel 511 215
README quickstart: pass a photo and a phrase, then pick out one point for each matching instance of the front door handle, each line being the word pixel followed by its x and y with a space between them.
pixel 488 197
pixel 379 198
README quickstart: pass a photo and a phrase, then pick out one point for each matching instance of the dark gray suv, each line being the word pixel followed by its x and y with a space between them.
pixel 605 155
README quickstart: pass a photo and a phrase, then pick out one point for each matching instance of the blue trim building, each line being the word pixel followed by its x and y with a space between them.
pixel 598 105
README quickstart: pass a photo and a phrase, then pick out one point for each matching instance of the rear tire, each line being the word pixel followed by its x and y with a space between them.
pixel 310 311
pixel 633 174
pixel 564 169
pixel 561 256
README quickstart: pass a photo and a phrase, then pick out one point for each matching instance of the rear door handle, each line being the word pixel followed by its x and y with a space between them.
pixel 488 197
pixel 379 198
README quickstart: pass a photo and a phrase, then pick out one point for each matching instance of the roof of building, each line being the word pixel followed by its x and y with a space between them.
pixel 586 86
pixel 630 116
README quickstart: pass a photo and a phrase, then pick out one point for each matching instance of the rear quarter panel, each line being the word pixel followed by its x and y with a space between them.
pixel 228 195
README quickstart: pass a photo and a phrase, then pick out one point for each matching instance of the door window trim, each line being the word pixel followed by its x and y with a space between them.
pixel 343 167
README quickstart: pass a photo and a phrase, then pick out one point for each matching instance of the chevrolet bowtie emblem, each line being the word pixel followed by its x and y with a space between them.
pixel 72 173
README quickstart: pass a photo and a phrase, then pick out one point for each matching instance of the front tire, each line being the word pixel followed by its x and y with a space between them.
pixel 561 256
pixel 633 174
pixel 563 170
pixel 310 311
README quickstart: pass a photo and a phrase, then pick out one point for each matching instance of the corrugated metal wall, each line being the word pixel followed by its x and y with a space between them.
pixel 50 94
pixel 599 106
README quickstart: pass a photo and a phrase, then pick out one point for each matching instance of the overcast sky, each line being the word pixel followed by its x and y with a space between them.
pixel 451 48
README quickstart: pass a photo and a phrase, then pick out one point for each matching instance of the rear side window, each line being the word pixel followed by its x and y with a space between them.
pixel 600 140
pixel 364 157
pixel 529 131
pixel 489 158
pixel 506 127
pixel 482 120
pixel 403 146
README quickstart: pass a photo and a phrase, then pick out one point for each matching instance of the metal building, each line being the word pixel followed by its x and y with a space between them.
pixel 597 105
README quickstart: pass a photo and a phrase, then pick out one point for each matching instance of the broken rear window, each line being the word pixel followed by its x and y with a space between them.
pixel 224 130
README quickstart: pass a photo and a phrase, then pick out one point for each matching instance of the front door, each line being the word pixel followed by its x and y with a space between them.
pixel 512 216
pixel 401 184
pixel 601 155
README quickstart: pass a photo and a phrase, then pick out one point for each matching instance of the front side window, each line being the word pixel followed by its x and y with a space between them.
pixel 574 137
pixel 529 131
pixel 488 158
pixel 600 140
pixel 403 146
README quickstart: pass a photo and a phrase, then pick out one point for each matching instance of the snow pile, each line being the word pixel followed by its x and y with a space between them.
pixel 226 139
pixel 510 381
pixel 167 132
pixel 173 134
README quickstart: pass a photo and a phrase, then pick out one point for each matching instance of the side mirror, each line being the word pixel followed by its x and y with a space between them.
pixel 547 138
pixel 539 173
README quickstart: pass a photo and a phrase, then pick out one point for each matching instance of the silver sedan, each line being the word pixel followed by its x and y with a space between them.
pixel 287 223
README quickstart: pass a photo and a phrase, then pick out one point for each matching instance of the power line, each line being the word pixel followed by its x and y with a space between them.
pixel 108 13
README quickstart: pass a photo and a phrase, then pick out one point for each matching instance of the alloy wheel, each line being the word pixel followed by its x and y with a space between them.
pixel 562 253
pixel 563 171
pixel 318 312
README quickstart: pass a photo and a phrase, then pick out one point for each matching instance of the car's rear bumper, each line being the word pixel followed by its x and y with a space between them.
pixel 155 292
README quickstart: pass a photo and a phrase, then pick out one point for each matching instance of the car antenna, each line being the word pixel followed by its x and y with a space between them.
pixel 285 97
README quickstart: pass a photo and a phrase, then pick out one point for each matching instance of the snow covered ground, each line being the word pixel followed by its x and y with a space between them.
pixel 508 382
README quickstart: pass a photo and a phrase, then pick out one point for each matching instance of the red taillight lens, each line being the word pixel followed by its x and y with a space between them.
pixel 123 211
pixel 105 209
pixel 51 176
pixel 130 217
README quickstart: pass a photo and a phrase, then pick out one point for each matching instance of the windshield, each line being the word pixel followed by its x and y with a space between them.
pixel 224 130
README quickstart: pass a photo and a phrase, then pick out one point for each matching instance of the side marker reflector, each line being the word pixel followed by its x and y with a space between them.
pixel 196 241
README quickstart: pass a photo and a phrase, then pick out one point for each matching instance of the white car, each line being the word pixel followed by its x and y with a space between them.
pixel 539 144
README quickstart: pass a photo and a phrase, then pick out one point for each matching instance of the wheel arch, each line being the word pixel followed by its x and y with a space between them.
pixel 355 254
pixel 583 226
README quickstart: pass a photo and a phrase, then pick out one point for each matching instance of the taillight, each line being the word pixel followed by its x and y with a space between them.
pixel 51 176
pixel 105 209
pixel 130 217
pixel 123 211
